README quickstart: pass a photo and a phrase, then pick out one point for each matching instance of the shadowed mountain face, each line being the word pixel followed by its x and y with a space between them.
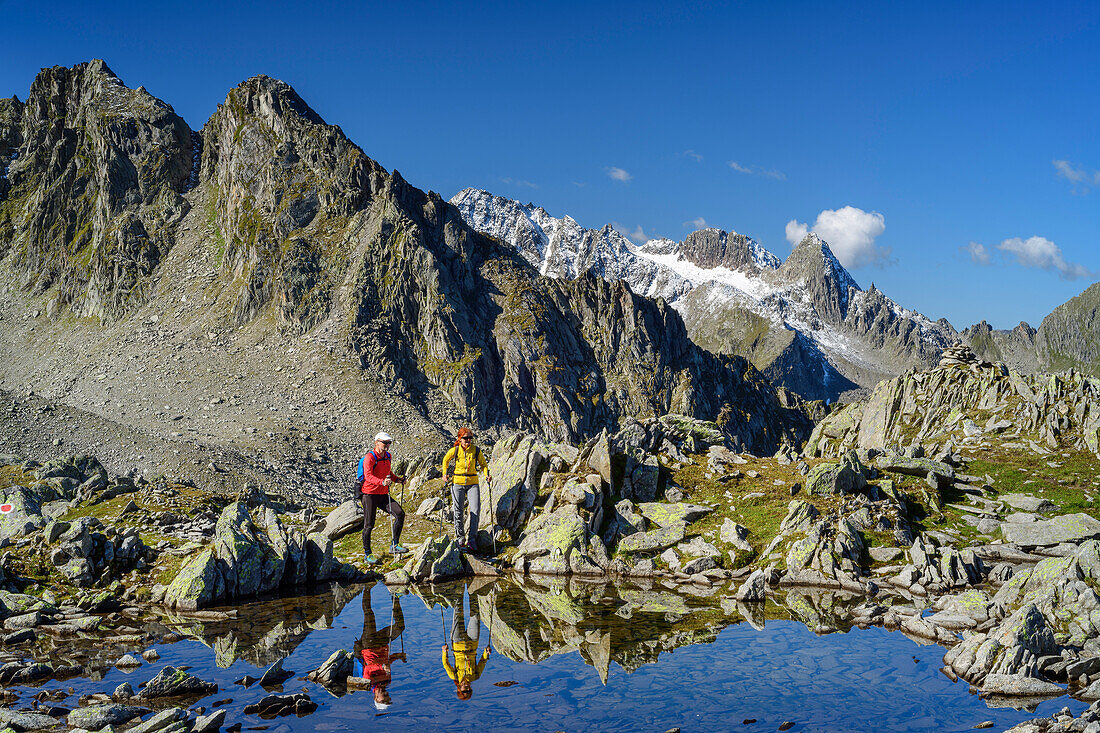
pixel 310 236
pixel 94 189
pixel 1068 338
pixel 804 322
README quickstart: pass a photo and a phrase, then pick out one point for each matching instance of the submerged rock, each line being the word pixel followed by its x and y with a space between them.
pixel 333 671
pixel 279 705
pixel 95 717
pixel 172 682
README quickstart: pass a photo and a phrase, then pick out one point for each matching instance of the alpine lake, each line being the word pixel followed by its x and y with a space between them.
pixel 566 655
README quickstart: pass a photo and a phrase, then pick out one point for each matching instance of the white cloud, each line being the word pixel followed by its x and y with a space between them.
pixel 515 182
pixel 618 174
pixel 693 155
pixel 979 253
pixel 755 170
pixel 850 233
pixel 697 223
pixel 1077 175
pixel 1043 254
pixel 636 234
pixel 580 184
pixel 796 232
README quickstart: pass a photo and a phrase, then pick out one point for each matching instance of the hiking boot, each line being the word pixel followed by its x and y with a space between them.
pixel 372 559
pixel 397 549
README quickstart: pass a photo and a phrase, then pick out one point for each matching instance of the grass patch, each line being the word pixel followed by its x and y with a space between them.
pixel 760 515
pixel 15 476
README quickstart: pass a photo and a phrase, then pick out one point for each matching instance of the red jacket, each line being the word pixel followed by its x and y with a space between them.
pixel 373 471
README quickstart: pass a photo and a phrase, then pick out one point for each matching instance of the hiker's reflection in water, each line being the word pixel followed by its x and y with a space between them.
pixel 372 651
pixel 464 641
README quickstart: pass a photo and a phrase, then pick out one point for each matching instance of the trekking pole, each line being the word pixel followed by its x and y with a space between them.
pixel 492 517
pixel 442 506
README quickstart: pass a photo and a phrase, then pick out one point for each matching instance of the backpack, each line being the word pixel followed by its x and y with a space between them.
pixel 359 484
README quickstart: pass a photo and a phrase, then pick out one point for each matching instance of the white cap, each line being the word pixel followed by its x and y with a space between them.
pixel 381 705
pixel 384 437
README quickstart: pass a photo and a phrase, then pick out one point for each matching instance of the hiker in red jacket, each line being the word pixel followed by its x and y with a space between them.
pixel 373 482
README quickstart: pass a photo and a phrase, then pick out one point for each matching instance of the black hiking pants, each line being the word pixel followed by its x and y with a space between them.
pixel 371 504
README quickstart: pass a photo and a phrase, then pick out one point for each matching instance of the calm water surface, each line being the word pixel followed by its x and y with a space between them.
pixel 575 656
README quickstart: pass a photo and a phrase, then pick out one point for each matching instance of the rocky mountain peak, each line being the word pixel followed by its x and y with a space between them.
pixel 270 99
pixel 94 175
pixel 734 295
pixel 813 263
pixel 1023 328
pixel 709 248
pixel 283 182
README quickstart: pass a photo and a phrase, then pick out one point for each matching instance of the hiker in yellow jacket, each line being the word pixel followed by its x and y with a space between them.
pixel 464 639
pixel 467 459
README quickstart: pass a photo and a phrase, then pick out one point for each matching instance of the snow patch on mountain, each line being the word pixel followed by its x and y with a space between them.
pixel 783 293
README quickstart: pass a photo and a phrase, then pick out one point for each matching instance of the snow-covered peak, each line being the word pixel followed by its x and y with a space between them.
pixel 723 272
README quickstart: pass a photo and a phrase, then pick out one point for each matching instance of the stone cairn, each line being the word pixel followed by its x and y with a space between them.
pixel 958 353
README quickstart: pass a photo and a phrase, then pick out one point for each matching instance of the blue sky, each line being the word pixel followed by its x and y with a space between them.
pixel 945 119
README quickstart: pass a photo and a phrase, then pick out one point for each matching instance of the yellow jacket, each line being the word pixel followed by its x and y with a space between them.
pixel 465 654
pixel 466 464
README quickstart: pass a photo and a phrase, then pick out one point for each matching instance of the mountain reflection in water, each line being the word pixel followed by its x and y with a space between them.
pixel 570 654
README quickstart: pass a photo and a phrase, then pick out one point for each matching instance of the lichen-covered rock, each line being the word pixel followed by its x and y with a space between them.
pixel 657 539
pixel 1012 648
pixel 198 584
pixel 24 721
pixel 1012 685
pixel 25 515
pixel 753 589
pixel 1064 589
pixel 437 558
pixel 95 717
pixel 318 554
pixel 939 568
pixel 734 534
pixel 558 544
pixel 250 556
pixel 517 465
pixel 624 522
pixel 837 479
pixel 1067 528
pixel 343 520
pixel 666 515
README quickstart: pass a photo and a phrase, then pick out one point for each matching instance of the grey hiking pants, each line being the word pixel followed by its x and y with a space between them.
pixel 462 630
pixel 472 494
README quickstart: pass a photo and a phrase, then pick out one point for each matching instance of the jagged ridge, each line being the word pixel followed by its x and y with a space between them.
pixel 735 295
pixel 311 229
